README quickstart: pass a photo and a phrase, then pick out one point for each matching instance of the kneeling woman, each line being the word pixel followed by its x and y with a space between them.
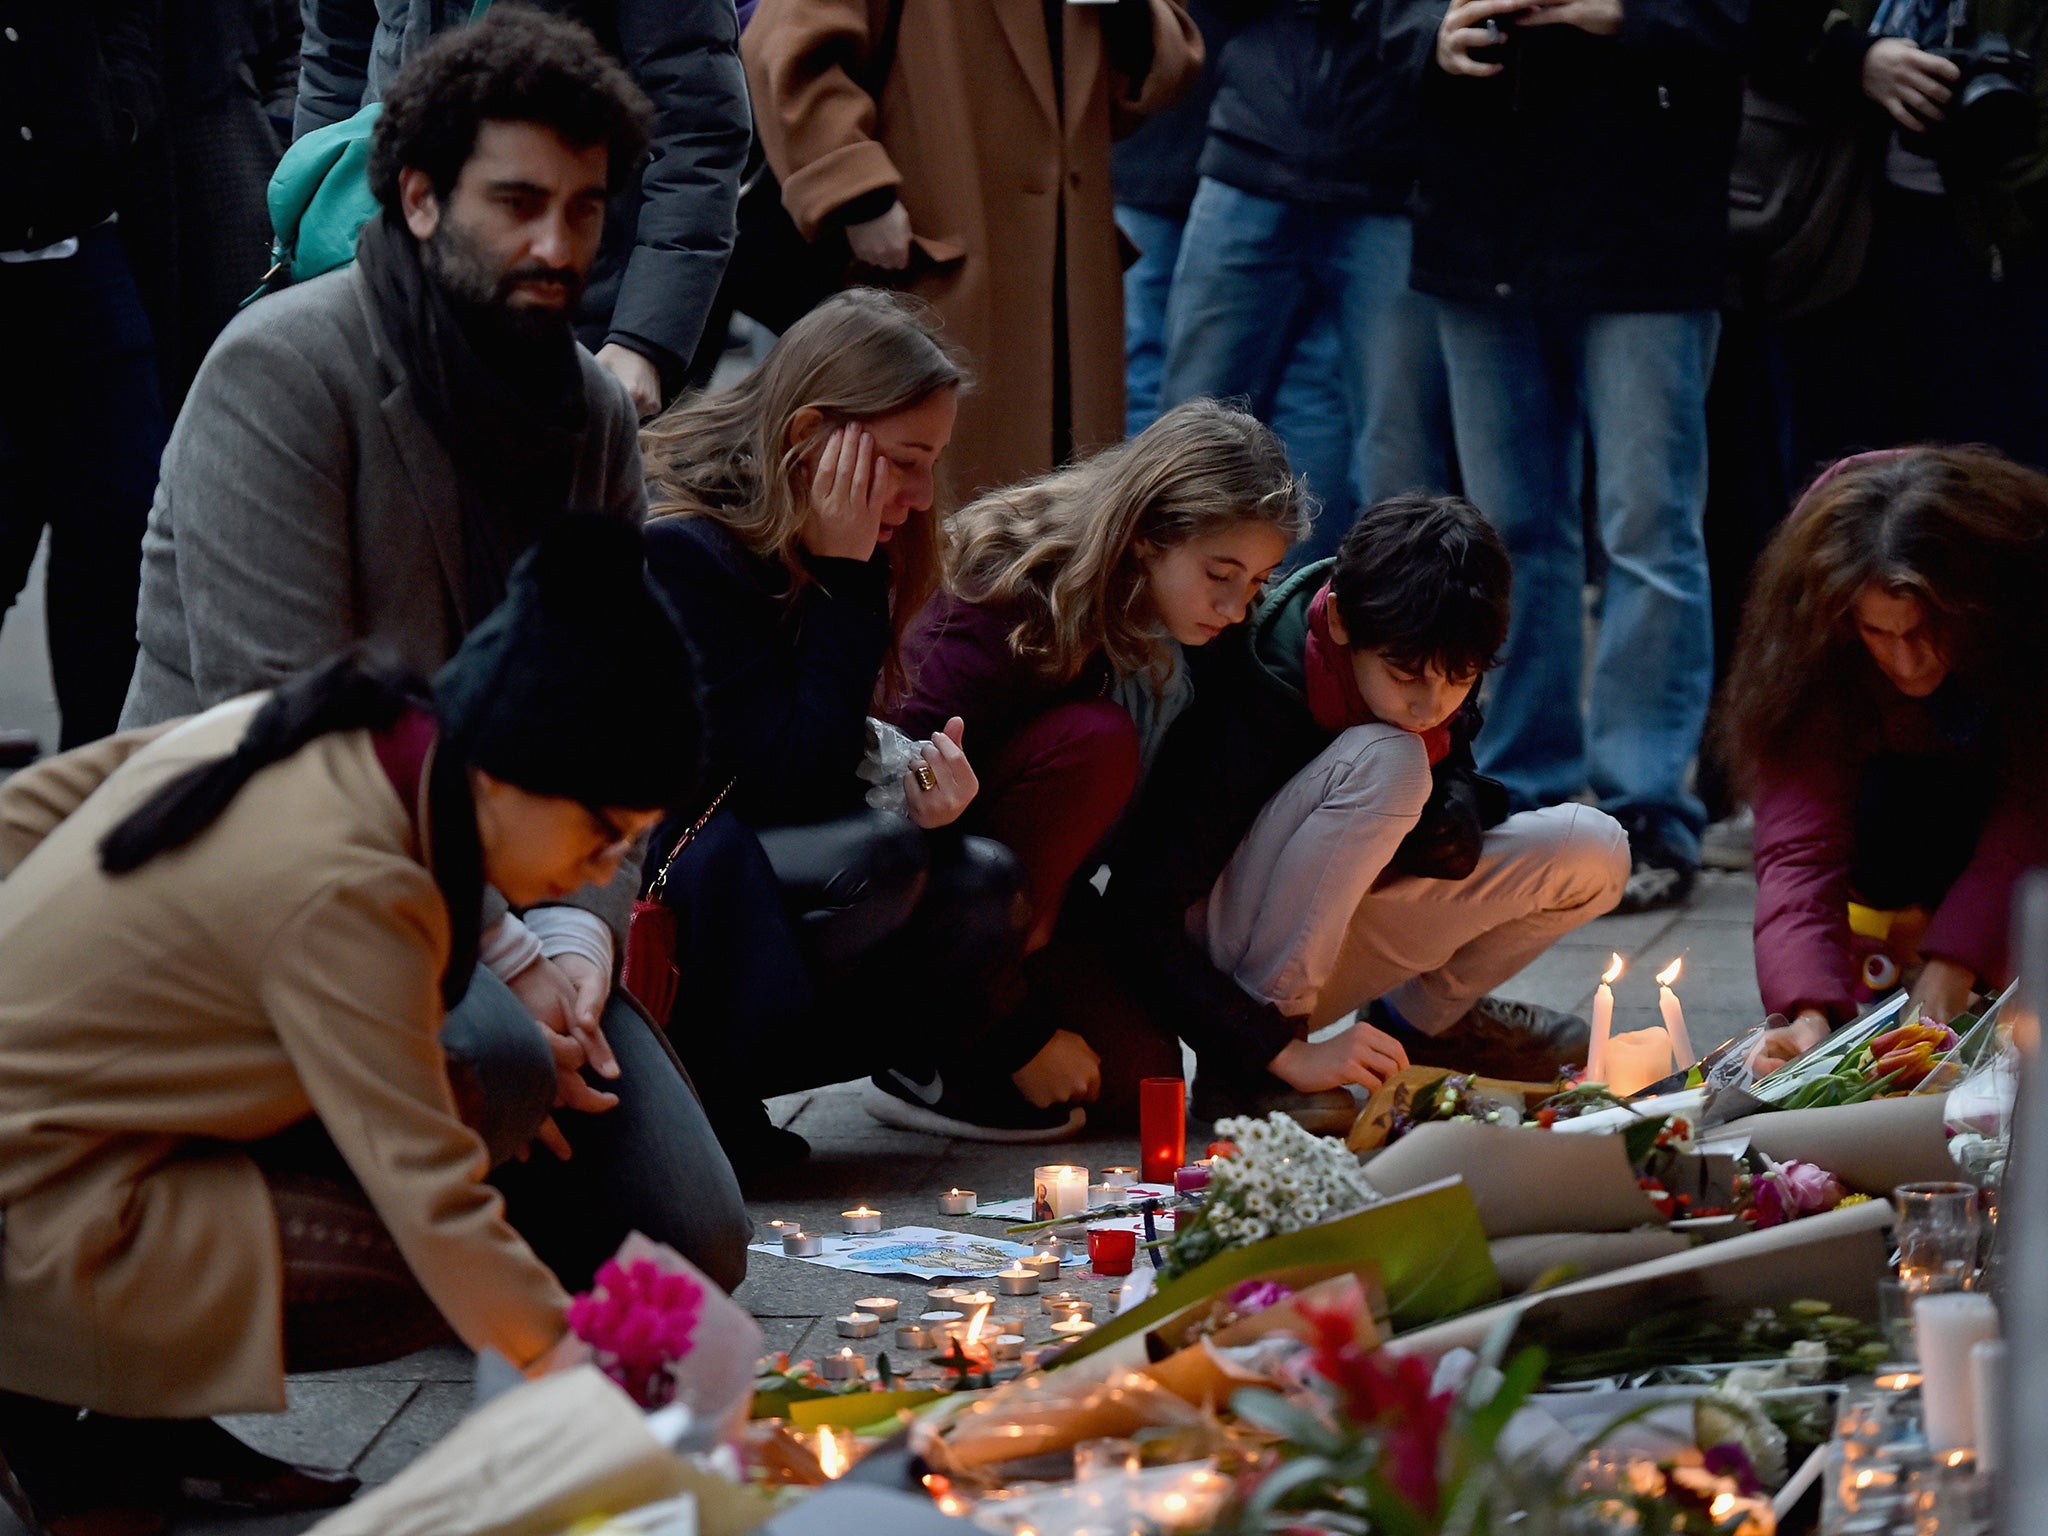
pixel 222 937
pixel 794 530
pixel 1886 712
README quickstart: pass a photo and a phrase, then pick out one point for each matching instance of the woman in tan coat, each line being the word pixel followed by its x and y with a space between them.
pixel 982 176
pixel 219 936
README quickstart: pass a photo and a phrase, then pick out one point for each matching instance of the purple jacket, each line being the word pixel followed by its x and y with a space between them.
pixel 958 661
pixel 1805 838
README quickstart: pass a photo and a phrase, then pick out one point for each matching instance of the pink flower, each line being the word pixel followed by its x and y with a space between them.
pixel 1392 1399
pixel 638 1321
pixel 1256 1295
pixel 1787 1191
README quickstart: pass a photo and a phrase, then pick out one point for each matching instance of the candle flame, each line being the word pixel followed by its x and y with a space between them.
pixel 1614 968
pixel 862 1210
pixel 832 1456
pixel 1723 1505
pixel 974 1325
pixel 1670 972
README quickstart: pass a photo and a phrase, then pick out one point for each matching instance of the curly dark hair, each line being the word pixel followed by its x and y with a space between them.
pixel 1425 579
pixel 515 65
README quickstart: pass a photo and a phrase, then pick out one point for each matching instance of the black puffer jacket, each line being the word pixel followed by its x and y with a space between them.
pixel 1248 732
pixel 666 240
pixel 1320 101
pixel 1592 173
pixel 78 89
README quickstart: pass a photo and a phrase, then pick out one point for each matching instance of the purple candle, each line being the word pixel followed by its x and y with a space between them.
pixel 1189 1179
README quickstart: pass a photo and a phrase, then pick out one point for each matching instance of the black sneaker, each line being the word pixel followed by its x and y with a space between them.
pixel 938 1108
pixel 1659 876
pixel 1329 1113
pixel 1519 1042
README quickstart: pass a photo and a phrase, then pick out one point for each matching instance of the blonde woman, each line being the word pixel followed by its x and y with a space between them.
pixel 795 529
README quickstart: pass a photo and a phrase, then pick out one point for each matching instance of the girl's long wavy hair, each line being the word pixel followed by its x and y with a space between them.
pixel 861 355
pixel 1964 530
pixel 1066 543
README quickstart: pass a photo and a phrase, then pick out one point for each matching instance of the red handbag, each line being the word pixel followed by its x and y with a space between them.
pixel 650 975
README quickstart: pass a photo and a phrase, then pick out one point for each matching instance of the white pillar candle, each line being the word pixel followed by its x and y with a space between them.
pixel 1946 1327
pixel 1059 1189
pixel 1603 1022
pixel 1987 1398
pixel 1674 1017
pixel 861 1220
pixel 1637 1059
pixel 957 1202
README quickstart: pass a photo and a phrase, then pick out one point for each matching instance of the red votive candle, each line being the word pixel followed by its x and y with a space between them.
pixel 1111 1250
pixel 1162 1127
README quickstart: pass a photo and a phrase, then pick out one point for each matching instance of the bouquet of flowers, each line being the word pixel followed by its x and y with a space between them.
pixel 1276 1178
pixel 639 1321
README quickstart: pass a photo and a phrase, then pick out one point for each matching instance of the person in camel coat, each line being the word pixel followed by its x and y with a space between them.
pixel 981 179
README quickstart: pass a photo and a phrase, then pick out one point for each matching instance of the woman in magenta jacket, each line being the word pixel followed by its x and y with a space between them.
pixel 1886 710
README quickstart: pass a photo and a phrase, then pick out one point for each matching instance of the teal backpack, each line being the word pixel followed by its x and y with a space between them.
pixel 320 198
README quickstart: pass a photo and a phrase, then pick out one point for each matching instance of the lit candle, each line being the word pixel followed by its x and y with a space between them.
pixel 1603 1021
pixel 1072 1327
pixel 1119 1177
pixel 957 1202
pixel 861 1220
pixel 1018 1280
pixel 1946 1327
pixel 1059 1189
pixel 1100 1195
pixel 1047 1265
pixel 976 1301
pixel 1637 1059
pixel 944 1296
pixel 781 1229
pixel 1674 1016
pixel 884 1307
pixel 912 1336
pixel 847 1365
pixel 1162 1127
pixel 936 1323
pixel 1189 1179
pixel 1008 1346
pixel 858 1325
pixel 1059 1300
pixel 835 1451
pixel 802 1245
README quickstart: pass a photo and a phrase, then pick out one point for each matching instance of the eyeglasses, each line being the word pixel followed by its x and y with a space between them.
pixel 617 840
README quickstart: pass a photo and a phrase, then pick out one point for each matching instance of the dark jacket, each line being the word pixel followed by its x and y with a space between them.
pixel 1809 814
pixel 958 661
pixel 1154 169
pixel 786 682
pixel 78 89
pixel 1248 732
pixel 666 240
pixel 1320 101
pixel 1592 173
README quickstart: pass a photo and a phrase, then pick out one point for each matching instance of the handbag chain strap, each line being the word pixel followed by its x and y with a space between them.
pixel 690 836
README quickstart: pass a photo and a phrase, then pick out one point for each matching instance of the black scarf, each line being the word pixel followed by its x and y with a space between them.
pixel 507 405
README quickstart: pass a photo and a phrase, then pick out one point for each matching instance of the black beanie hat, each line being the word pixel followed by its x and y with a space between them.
pixel 579 684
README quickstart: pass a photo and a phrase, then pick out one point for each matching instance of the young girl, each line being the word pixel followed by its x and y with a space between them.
pixel 1057 640
pixel 795 529
pixel 1885 712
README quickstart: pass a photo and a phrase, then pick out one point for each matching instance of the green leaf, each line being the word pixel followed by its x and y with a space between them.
pixel 1287 1419
pixel 1518 1380
pixel 1639 1137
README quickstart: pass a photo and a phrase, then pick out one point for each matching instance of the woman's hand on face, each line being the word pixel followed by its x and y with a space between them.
pixel 1784 1042
pixel 1361 1055
pixel 848 485
pixel 1907 81
pixel 1943 990
pixel 1066 1070
pixel 954 785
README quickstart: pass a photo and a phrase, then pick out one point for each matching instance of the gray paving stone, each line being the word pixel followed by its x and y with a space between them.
pixel 328 1423
pixel 443 1362
pixel 433 1411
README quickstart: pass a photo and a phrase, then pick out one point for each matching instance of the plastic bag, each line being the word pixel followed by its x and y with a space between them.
pixel 889 756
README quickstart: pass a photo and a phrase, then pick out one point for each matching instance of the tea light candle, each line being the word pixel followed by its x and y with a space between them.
pixel 1072 1327
pixel 943 1296
pixel 858 1325
pixel 1018 1280
pixel 1119 1177
pixel 913 1336
pixel 802 1245
pixel 883 1307
pixel 957 1202
pixel 1189 1179
pixel 847 1365
pixel 976 1301
pixel 1898 1378
pixel 778 1230
pixel 1059 1300
pixel 1045 1265
pixel 1059 1189
pixel 1008 1346
pixel 1009 1322
pixel 1100 1195
pixel 935 1323
pixel 860 1221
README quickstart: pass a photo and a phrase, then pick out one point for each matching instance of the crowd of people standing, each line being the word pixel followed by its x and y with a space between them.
pixel 1068 643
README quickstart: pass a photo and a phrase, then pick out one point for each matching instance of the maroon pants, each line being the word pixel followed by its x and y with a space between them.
pixel 1054 792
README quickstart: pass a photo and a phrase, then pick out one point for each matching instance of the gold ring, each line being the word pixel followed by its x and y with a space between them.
pixel 923 770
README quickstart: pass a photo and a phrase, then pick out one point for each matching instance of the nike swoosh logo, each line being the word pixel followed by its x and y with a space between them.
pixel 929 1097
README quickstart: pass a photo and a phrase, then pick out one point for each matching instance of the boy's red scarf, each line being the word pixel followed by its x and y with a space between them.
pixel 1333 696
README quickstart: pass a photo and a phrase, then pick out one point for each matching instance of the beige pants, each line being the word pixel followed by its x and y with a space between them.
pixel 1303 919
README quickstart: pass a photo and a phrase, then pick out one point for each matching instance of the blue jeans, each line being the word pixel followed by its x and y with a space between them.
pixel 649 1164
pixel 1530 389
pixel 1257 274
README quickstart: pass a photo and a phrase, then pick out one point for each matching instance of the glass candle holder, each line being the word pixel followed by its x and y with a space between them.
pixel 1162 1127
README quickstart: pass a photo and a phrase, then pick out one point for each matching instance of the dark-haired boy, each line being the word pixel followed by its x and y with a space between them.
pixel 1316 841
